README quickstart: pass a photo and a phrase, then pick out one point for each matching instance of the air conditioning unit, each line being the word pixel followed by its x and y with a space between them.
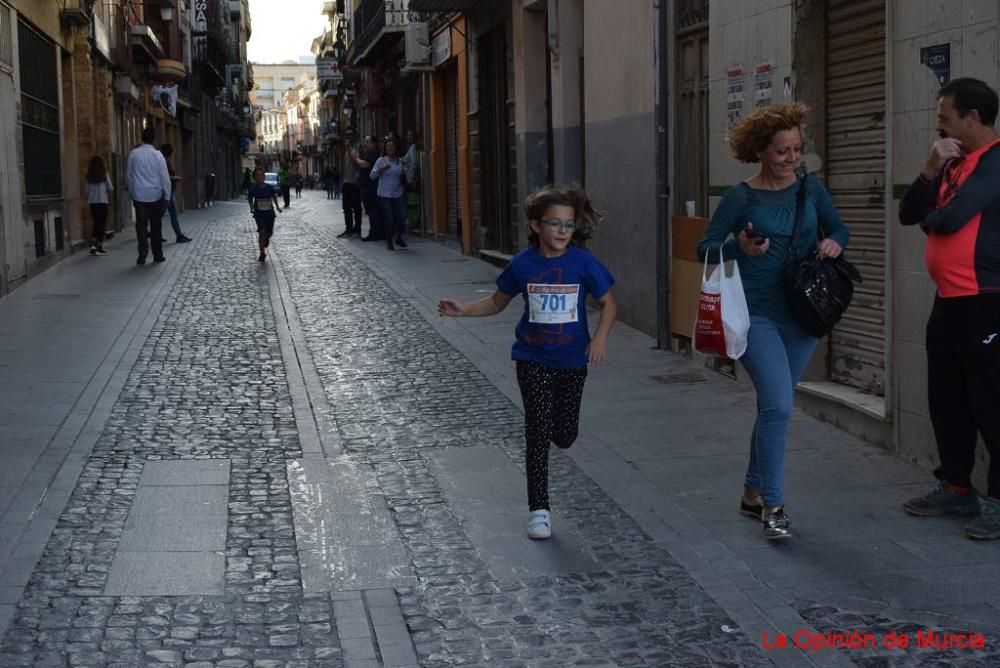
pixel 418 47
pixel 125 87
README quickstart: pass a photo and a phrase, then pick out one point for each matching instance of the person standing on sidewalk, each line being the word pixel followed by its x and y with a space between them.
pixel 389 172
pixel 149 184
pixel 956 202
pixel 263 198
pixel 285 183
pixel 553 347
pixel 369 191
pixel 98 189
pixel 351 189
pixel 168 150
pixel 759 215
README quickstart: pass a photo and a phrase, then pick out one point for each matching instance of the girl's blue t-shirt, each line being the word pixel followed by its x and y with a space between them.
pixel 553 328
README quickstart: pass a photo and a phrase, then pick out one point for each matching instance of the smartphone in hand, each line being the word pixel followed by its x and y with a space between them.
pixel 757 237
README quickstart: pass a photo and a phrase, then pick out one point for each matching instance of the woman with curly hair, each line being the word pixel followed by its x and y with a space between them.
pixel 753 225
pixel 553 344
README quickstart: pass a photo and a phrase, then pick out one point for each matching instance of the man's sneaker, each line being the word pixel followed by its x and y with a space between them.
pixel 262 257
pixel 183 239
pixel 93 250
pixel 987 525
pixel 539 525
pixel 98 251
pixel 751 504
pixel 141 260
pixel 943 500
pixel 776 524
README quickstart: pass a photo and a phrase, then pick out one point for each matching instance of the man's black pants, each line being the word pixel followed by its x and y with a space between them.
pixel 149 227
pixel 376 228
pixel 963 385
pixel 352 207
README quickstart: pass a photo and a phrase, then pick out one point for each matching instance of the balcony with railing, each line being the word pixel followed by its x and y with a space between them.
pixel 378 25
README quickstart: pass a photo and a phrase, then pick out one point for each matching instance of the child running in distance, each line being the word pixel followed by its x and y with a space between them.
pixel 553 343
pixel 263 202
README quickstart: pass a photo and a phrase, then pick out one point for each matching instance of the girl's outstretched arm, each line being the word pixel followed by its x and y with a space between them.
pixel 486 306
pixel 597 351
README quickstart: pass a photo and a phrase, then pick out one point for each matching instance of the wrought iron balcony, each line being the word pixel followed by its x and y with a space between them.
pixel 378 25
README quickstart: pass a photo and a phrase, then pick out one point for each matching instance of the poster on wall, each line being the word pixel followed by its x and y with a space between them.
pixel 763 85
pixel 734 96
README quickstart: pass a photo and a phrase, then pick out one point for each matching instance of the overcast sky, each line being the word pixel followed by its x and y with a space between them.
pixel 283 29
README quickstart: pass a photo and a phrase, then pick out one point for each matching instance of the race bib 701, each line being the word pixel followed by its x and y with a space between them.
pixel 552 304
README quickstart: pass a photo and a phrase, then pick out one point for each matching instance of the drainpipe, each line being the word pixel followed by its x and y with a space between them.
pixel 662 91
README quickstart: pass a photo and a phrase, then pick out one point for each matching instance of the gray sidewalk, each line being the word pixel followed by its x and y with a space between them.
pixel 668 441
pixel 67 341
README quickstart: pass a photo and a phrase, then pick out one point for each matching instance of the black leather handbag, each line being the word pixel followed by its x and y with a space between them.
pixel 818 291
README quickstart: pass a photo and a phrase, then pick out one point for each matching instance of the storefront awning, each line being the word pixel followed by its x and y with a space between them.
pixel 442 5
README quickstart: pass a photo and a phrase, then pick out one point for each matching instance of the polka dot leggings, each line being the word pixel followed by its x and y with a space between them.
pixel 551 415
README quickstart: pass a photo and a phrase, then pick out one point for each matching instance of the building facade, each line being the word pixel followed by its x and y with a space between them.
pixel 80 78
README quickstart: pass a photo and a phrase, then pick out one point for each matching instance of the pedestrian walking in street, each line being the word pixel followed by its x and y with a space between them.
pixel 247 181
pixel 390 173
pixel 350 154
pixel 298 186
pixel 328 182
pixel 956 202
pixel 98 189
pixel 263 198
pixel 369 191
pixel 168 150
pixel 285 183
pixel 760 215
pixel 553 346
pixel 149 184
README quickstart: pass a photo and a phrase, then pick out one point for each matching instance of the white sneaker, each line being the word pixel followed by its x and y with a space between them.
pixel 539 525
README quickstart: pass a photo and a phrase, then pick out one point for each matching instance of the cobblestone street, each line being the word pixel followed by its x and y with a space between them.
pixel 292 463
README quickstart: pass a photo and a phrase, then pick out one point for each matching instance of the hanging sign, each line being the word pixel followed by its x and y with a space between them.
pixel 199 17
pixel 164 97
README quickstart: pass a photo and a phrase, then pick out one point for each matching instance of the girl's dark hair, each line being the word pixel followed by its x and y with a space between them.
pixel 96 171
pixel 573 196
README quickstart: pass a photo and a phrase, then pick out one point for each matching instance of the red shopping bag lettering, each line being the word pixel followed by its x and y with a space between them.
pixel 709 336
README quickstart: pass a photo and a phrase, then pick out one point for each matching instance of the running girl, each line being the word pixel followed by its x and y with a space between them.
pixel 263 201
pixel 553 344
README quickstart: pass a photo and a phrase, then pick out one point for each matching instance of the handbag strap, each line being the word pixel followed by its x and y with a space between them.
pixel 800 205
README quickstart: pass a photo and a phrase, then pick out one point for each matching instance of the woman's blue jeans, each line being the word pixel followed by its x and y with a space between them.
pixel 394 214
pixel 776 356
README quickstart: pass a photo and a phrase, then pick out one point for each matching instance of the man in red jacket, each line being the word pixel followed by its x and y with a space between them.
pixel 956 200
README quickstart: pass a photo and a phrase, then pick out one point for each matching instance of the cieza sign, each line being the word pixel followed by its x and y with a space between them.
pixel 199 20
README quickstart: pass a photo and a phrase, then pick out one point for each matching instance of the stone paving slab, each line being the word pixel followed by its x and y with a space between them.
pixel 486 490
pixel 166 573
pixel 177 518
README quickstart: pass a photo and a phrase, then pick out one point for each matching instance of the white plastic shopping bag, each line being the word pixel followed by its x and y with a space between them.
pixel 723 319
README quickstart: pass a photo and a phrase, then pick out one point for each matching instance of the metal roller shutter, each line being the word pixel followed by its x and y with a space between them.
pixel 454 212
pixel 855 176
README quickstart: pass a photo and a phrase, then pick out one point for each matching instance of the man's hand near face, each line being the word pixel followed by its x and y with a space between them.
pixel 942 151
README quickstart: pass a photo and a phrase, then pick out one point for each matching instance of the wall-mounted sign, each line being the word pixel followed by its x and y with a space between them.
pixel 102 38
pixel 763 85
pixel 734 96
pixel 199 17
pixel 938 58
pixel 327 69
pixel 441 47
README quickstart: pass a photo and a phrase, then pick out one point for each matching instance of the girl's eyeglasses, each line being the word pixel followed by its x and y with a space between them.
pixel 559 224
